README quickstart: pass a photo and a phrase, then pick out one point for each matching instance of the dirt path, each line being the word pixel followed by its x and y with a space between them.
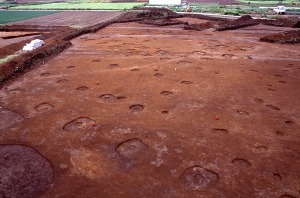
pixel 140 111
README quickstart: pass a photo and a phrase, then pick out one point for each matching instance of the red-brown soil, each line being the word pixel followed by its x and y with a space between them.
pixel 11 48
pixel 5 42
pixel 10 35
pixel 54 43
pixel 247 20
pixel 20 164
pixel 56 35
pixel 163 22
pixel 199 26
pixel 136 110
pixel 283 37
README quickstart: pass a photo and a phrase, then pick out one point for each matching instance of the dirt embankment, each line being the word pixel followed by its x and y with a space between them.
pixel 247 20
pixel 162 22
pixel 283 37
pixel 54 44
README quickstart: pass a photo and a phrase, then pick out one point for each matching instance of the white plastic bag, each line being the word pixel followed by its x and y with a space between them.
pixel 34 44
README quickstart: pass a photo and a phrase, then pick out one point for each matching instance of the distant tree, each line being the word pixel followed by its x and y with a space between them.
pixel 294 2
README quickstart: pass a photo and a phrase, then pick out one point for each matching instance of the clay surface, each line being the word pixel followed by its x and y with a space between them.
pixel 24 172
pixel 137 110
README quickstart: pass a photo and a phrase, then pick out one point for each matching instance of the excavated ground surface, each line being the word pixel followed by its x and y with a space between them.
pixel 54 31
pixel 7 38
pixel 283 37
pixel 136 110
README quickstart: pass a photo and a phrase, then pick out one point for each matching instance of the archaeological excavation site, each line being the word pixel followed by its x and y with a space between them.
pixel 150 103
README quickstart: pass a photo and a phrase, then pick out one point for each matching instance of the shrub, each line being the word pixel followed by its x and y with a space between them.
pixel 232 12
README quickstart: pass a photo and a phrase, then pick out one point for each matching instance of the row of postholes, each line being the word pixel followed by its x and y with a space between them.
pixel 17 158
pixel 138 107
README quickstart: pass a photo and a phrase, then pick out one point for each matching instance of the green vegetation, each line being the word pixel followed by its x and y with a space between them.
pixel 79 5
pixel 232 12
pixel 222 9
pixel 271 2
pixel 294 2
pixel 12 16
pixel 5 5
pixel 8 58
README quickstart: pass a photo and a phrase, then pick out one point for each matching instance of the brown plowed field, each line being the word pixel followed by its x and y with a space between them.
pixel 136 110
pixel 72 18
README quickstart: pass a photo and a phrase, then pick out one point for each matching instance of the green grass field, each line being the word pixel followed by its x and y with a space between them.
pixel 12 16
pixel 79 6
pixel 222 9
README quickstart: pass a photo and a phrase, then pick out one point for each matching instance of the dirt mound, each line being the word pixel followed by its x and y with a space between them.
pixel 241 22
pixel 244 18
pixel 297 25
pixel 160 11
pixel 162 22
pixel 282 22
pixel 198 27
pixel 205 17
pixel 151 14
pixel 283 37
pixel 247 20
pixel 146 14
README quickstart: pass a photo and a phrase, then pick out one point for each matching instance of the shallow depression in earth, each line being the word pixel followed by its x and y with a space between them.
pixel 131 148
pixel 81 123
pixel 9 118
pixel 198 178
pixel 136 108
pixel 24 172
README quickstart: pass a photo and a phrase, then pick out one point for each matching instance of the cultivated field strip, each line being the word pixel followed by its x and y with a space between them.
pixel 72 18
